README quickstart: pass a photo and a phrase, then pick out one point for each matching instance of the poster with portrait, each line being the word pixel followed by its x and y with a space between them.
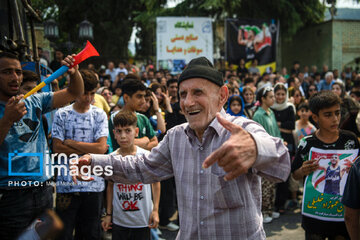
pixel 180 39
pixel 251 39
pixel 324 188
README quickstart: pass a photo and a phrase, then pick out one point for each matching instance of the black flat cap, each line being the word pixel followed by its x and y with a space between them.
pixel 201 68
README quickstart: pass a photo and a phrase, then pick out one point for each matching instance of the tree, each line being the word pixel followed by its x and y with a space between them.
pixel 146 27
pixel 47 9
pixel 293 14
pixel 113 22
pixel 114 19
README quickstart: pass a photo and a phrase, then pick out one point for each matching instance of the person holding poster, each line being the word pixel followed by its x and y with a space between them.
pixel 324 159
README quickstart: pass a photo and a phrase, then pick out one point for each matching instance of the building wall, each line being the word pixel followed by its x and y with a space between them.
pixel 334 43
pixel 350 47
pixel 310 46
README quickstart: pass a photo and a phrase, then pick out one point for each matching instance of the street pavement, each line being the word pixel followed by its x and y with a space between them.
pixel 287 227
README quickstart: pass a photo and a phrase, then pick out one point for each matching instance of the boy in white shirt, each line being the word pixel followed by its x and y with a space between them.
pixel 130 211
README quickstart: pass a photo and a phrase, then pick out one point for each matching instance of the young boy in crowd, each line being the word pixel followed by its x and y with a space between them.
pixel 80 128
pixel 133 92
pixel 129 206
pixel 325 107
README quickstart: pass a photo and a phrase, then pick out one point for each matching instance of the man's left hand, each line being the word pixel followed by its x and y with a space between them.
pixel 237 154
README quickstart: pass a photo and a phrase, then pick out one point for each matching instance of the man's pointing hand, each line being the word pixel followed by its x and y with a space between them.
pixel 237 154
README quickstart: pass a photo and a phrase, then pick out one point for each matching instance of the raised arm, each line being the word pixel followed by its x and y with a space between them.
pixel 167 101
pixel 146 168
pixel 160 120
pixel 76 86
pixel 240 39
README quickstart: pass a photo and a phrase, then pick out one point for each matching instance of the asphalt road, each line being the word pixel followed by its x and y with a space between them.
pixel 287 227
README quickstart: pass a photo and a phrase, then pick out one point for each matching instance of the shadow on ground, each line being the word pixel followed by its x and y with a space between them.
pixel 287 227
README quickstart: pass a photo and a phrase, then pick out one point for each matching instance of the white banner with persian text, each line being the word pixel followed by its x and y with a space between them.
pixel 180 39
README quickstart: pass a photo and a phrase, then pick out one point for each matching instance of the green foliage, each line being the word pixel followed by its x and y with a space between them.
pixel 146 27
pixel 114 19
pixel 293 14
pixel 112 23
pixel 47 9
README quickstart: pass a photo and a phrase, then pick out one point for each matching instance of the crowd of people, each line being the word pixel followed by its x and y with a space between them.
pixel 123 110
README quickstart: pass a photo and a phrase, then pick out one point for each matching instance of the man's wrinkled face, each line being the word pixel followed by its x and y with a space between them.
pixel 10 77
pixel 200 100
